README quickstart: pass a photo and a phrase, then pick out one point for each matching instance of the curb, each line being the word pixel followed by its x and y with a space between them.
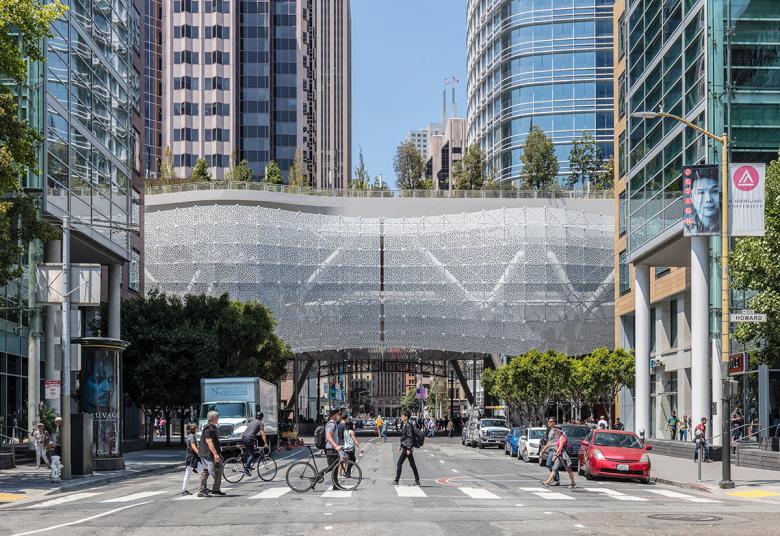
pixel 681 484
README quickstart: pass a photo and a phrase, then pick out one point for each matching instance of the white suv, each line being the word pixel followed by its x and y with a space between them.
pixel 487 432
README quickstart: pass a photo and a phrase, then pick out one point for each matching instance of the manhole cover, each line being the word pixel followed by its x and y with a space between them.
pixel 685 518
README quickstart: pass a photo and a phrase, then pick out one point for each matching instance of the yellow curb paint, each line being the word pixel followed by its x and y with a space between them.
pixel 753 493
pixel 12 496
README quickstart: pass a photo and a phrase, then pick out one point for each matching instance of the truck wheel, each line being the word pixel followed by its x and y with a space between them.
pixel 480 445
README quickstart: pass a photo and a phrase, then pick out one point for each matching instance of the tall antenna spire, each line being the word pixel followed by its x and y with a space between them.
pixel 444 103
pixel 455 80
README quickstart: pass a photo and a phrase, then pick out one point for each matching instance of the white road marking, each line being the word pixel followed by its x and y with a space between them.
pixel 336 494
pixel 548 513
pixel 441 461
pixel 518 505
pixel 454 470
pixel 615 494
pixel 548 495
pixel 328 513
pixel 479 493
pixel 66 499
pixel 192 497
pixel 328 528
pixel 271 493
pixel 579 526
pixel 133 497
pixel 80 521
pixel 410 491
pixel 683 496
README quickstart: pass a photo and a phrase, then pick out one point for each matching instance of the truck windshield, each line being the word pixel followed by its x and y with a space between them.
pixel 493 422
pixel 227 410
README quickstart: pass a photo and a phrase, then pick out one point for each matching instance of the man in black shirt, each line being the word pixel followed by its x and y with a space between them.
pixel 254 429
pixel 406 449
pixel 211 454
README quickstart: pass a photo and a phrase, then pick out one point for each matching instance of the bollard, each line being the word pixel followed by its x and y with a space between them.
pixel 56 473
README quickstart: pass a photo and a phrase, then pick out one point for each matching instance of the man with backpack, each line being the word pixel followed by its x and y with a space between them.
pixel 411 438
pixel 328 437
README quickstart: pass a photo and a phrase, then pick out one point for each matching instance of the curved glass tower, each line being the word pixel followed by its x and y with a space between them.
pixel 538 62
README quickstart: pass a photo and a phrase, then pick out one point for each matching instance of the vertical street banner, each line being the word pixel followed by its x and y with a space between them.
pixel 701 201
pixel 746 199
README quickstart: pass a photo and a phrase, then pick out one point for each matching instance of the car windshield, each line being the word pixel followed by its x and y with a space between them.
pixel 576 432
pixel 517 432
pixel 535 434
pixel 492 422
pixel 626 441
pixel 228 410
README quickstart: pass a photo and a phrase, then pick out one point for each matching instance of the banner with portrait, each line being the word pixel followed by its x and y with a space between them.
pixel 100 392
pixel 746 199
pixel 701 200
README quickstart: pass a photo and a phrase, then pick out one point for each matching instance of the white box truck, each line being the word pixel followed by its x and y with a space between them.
pixel 238 400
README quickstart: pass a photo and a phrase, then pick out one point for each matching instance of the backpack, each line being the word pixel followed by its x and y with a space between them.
pixel 418 438
pixel 319 437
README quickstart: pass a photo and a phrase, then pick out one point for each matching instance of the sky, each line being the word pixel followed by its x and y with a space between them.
pixel 402 50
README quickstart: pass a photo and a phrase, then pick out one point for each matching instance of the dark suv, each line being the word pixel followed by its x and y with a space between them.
pixel 575 433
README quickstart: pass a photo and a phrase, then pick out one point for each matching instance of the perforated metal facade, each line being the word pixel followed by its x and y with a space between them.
pixel 494 281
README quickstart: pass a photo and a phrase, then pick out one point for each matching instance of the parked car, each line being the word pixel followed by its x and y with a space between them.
pixel 575 433
pixel 487 432
pixel 528 445
pixel 512 441
pixel 614 453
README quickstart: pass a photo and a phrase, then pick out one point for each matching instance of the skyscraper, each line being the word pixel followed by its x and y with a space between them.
pixel 258 80
pixel 538 62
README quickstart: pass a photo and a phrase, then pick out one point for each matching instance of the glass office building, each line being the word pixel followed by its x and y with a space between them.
pixel 538 62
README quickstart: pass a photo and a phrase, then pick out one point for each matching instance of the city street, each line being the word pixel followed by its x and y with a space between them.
pixel 464 491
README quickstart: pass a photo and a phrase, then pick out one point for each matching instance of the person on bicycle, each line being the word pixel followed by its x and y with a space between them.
pixel 254 429
pixel 406 449
pixel 332 446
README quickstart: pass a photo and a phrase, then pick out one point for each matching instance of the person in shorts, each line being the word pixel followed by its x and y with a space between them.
pixel 561 457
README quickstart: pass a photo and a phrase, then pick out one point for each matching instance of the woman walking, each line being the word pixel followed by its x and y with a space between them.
pixel 684 426
pixel 561 458
pixel 350 442
pixel 192 459
pixel 41 443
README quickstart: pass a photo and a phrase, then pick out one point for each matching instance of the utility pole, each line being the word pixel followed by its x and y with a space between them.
pixel 65 433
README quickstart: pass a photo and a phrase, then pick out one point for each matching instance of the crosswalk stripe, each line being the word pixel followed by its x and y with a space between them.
pixel 410 491
pixel 133 497
pixel 192 497
pixel 616 494
pixel 683 496
pixel 336 494
pixel 271 493
pixel 66 499
pixel 479 493
pixel 548 495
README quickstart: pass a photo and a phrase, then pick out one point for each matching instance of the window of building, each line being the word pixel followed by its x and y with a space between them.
pixel 185 108
pixel 673 324
pixel 218 6
pixel 217 134
pixel 219 57
pixel 185 6
pixel 185 134
pixel 217 31
pixel 218 82
pixel 134 275
pixel 622 213
pixel 672 391
pixel 217 108
pixel 185 56
pixel 621 44
pixel 185 82
pixel 185 30
pixel 622 96
pixel 624 273
pixel 652 330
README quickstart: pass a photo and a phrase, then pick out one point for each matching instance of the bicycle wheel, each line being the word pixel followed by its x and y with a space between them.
pixel 234 470
pixel 301 476
pixel 266 468
pixel 347 476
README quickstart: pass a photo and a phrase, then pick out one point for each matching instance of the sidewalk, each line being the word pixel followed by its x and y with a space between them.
pixel 26 482
pixel 683 472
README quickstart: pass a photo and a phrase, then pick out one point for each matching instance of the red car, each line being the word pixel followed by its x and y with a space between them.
pixel 616 454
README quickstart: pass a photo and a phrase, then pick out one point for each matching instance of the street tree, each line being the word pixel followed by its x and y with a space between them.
pixel 438 401
pixel 754 268
pixel 409 399
pixel 540 165
pixel 297 178
pixel 167 169
pixel 23 26
pixel 200 173
pixel 605 178
pixel 469 172
pixel 585 161
pixel 409 167
pixel 361 179
pixel 273 175
pixel 607 372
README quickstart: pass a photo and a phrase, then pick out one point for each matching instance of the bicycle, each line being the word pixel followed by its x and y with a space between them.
pixel 304 475
pixel 265 466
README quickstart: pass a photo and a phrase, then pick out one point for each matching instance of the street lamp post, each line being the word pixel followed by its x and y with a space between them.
pixel 726 481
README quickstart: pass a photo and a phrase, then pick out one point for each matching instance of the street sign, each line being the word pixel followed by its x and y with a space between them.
pixel 738 363
pixel 747 315
pixel 52 389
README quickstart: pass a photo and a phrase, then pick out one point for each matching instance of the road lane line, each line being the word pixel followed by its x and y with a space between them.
pixel 410 491
pixel 479 493
pixel 79 521
pixel 133 497
pixel 683 496
pixel 271 493
pixel 66 499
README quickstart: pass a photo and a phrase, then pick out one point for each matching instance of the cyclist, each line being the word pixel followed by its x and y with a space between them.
pixel 254 429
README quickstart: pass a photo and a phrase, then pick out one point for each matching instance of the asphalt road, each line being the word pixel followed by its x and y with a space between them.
pixel 464 491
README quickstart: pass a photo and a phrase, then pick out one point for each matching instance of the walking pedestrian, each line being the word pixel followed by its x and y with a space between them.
pixel 562 458
pixel 450 428
pixel 701 428
pixel 736 423
pixel 210 453
pixel 350 444
pixel 406 449
pixel 40 439
pixel 685 425
pixel 255 429
pixel 379 423
pixel 332 446
pixel 192 460
pixel 547 450
pixel 602 424
pixel 672 423
pixel 618 425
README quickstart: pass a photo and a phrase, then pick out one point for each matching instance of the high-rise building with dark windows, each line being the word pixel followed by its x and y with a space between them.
pixel 242 81
pixel 545 63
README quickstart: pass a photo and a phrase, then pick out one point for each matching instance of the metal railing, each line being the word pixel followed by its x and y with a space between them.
pixel 376 193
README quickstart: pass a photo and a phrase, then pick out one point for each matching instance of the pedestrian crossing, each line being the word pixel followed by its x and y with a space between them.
pixel 281 492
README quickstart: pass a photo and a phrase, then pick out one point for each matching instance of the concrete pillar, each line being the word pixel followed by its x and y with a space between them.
pixel 52 330
pixel 700 340
pixel 33 378
pixel 642 349
pixel 114 300
pixel 716 428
